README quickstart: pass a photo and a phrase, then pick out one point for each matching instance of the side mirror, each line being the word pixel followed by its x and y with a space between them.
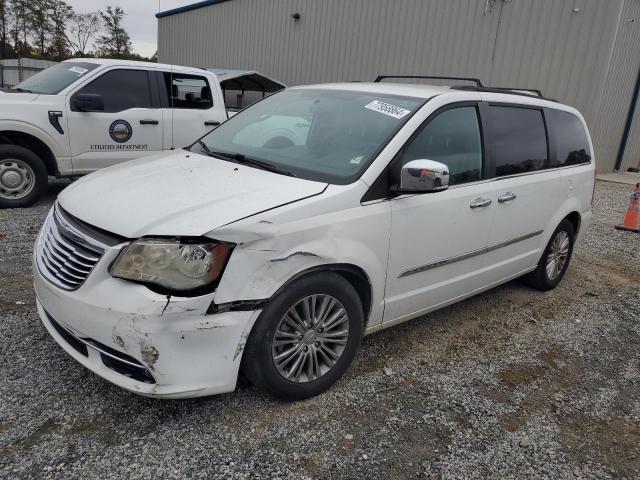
pixel 423 176
pixel 87 102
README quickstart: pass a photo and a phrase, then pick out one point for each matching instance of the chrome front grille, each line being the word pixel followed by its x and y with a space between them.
pixel 65 256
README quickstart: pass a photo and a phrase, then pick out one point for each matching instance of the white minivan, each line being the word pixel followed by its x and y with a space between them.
pixel 316 216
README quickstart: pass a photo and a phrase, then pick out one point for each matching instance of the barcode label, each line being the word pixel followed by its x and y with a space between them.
pixel 78 70
pixel 387 109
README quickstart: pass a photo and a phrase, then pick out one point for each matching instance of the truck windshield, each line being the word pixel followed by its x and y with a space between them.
pixel 55 79
pixel 319 134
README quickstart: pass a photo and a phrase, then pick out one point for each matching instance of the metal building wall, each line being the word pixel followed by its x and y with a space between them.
pixel 622 73
pixel 582 52
pixel 631 157
pixel 13 70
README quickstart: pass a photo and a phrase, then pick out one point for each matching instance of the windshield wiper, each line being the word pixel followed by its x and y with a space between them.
pixel 23 90
pixel 244 160
pixel 204 147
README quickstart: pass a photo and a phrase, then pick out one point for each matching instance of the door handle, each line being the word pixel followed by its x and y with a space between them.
pixel 507 197
pixel 149 122
pixel 211 123
pixel 480 202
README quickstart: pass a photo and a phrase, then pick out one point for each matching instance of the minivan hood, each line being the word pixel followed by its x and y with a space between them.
pixel 181 194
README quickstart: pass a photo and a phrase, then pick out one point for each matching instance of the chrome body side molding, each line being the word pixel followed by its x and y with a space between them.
pixel 464 256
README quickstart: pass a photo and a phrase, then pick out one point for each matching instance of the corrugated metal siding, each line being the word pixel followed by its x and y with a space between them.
pixel 632 152
pixel 13 71
pixel 618 88
pixel 579 51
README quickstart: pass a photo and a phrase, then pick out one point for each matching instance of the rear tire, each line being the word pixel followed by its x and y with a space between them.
pixel 23 177
pixel 321 359
pixel 555 259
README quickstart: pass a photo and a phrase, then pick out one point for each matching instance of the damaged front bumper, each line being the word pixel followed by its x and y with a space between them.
pixel 142 341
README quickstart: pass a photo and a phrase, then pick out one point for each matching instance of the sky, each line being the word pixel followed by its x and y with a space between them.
pixel 140 20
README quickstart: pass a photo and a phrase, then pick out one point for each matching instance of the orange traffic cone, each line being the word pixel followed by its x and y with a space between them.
pixel 632 218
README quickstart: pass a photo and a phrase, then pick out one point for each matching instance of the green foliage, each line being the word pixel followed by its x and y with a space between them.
pixel 115 42
pixel 52 30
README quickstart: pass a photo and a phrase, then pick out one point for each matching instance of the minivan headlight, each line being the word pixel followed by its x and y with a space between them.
pixel 172 264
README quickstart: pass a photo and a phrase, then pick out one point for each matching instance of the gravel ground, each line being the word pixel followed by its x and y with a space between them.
pixel 512 383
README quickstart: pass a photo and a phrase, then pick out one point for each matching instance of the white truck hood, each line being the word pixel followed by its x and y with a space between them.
pixel 18 97
pixel 181 194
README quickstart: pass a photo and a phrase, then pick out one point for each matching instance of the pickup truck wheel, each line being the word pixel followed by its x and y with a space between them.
pixel 305 338
pixel 555 259
pixel 23 176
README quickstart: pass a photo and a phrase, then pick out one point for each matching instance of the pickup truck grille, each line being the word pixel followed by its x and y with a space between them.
pixel 64 255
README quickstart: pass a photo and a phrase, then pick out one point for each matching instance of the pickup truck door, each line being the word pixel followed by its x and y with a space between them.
pixel 129 126
pixel 192 106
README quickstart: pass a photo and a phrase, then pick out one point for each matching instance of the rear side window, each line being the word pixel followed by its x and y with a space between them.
pixel 519 140
pixel 122 90
pixel 188 91
pixel 572 144
pixel 452 138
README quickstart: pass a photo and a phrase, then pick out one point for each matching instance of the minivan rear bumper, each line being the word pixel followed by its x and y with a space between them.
pixel 585 223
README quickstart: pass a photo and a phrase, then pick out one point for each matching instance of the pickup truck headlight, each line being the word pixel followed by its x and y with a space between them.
pixel 171 264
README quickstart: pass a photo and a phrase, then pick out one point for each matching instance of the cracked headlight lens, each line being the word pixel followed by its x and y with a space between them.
pixel 171 264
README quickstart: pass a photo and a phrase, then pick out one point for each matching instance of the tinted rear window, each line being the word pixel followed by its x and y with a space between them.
pixel 572 144
pixel 519 140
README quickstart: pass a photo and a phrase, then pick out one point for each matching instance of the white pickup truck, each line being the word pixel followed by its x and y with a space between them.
pixel 85 114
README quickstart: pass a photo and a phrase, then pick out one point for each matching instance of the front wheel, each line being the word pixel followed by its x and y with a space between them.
pixel 306 337
pixel 555 258
pixel 23 177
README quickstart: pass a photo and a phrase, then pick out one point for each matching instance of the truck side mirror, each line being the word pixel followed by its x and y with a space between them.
pixel 87 102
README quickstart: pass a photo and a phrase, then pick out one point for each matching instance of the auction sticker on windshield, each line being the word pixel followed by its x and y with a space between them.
pixel 387 109
pixel 78 70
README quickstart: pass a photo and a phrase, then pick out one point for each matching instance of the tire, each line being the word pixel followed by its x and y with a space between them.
pixel 23 177
pixel 541 278
pixel 259 362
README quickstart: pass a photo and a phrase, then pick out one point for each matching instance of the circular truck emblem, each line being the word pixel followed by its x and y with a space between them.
pixel 120 131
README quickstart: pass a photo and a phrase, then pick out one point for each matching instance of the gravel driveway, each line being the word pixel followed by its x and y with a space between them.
pixel 512 383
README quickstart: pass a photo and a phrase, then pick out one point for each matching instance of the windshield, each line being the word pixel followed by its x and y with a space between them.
pixel 324 135
pixel 55 79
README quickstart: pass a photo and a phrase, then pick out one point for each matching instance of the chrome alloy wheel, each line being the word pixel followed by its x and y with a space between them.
pixel 557 256
pixel 17 179
pixel 310 338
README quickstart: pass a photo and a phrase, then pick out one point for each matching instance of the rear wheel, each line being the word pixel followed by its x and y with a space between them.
pixel 306 337
pixel 555 259
pixel 23 176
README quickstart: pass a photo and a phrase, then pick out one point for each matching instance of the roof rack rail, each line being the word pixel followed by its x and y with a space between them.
pixel 526 92
pixel 516 91
pixel 478 87
pixel 430 77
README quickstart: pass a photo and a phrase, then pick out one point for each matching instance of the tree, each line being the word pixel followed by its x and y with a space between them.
pixel 60 13
pixel 4 29
pixel 19 30
pixel 82 28
pixel 115 42
pixel 37 14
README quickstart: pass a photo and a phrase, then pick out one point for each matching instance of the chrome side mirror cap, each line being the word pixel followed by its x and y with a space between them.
pixel 423 176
